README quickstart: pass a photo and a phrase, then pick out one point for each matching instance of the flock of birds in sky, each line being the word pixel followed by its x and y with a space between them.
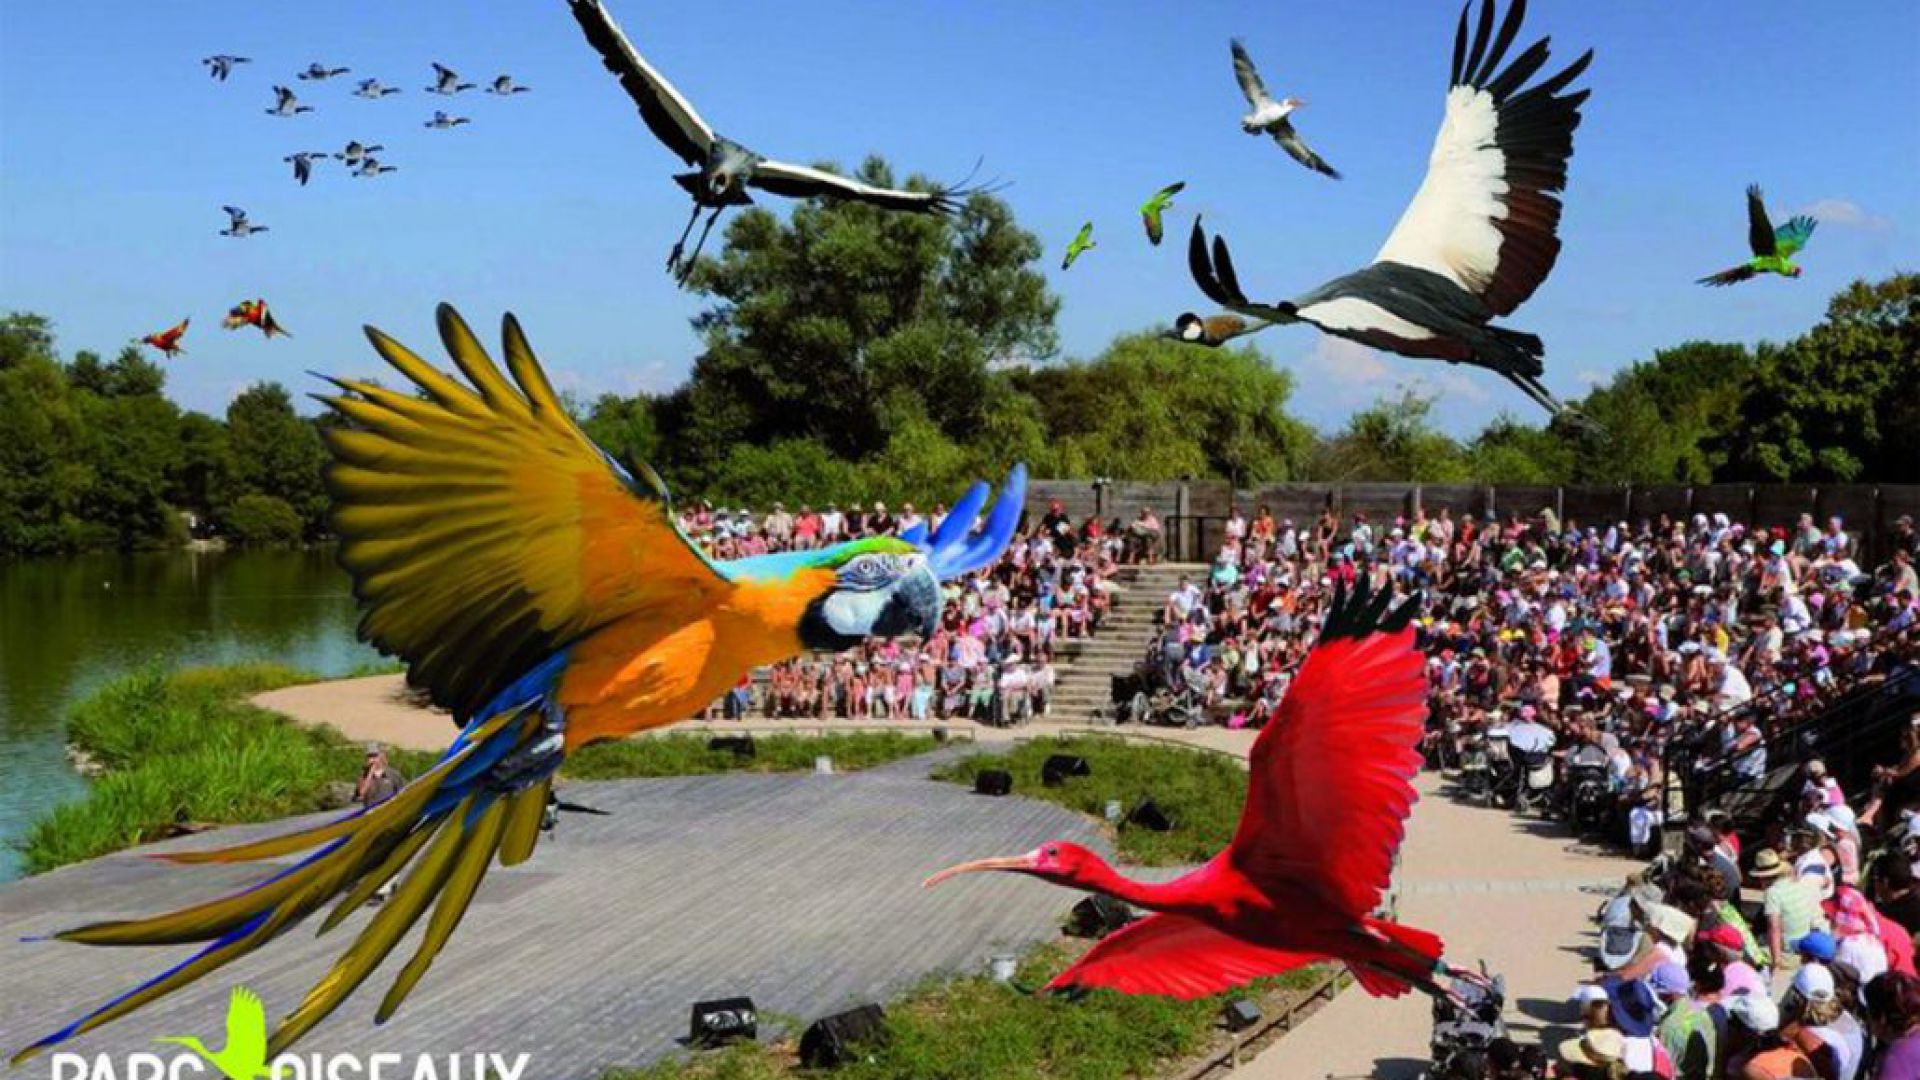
pixel 358 158
pixel 1478 238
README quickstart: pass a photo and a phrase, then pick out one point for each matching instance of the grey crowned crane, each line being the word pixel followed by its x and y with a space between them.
pixel 1273 118
pixel 285 103
pixel 1213 331
pixel 724 169
pixel 1478 237
pixel 220 65
pixel 237 224
pixel 446 81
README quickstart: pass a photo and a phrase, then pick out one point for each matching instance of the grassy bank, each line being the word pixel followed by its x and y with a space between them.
pixel 186 748
pixel 1202 792
pixel 959 1029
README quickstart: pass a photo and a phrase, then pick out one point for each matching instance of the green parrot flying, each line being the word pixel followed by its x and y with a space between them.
pixel 1151 210
pixel 1773 249
pixel 1081 242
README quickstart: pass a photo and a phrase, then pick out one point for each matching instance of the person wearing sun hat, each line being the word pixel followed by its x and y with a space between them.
pixel 1790 903
pixel 1763 1044
pixel 1831 1038
pixel 1597 1053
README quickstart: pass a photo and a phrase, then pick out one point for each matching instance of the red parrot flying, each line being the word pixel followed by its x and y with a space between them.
pixel 1326 810
pixel 168 340
pixel 253 313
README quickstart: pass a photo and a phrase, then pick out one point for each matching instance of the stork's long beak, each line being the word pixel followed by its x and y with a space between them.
pixel 1013 862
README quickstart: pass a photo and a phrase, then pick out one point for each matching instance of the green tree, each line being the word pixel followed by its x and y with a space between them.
pixel 624 427
pixel 1393 439
pixel 44 477
pixel 821 325
pixel 263 519
pixel 1839 402
pixel 1665 420
pixel 24 336
pixel 271 450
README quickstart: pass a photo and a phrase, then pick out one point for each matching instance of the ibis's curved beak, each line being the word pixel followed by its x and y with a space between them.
pixel 1013 862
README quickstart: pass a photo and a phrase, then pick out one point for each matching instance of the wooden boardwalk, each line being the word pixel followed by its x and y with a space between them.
pixel 802 891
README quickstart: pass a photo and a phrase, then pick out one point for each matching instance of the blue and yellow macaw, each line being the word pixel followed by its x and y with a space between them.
pixel 544 595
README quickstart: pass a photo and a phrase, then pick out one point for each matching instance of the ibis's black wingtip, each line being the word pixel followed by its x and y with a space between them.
pixel 1363 611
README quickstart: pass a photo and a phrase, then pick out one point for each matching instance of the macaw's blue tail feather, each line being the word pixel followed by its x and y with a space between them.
pixel 956 549
pixel 448 825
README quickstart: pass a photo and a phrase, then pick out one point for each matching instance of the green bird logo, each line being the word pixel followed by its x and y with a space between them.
pixel 245 1055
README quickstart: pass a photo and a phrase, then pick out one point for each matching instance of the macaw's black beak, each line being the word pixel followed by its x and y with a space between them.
pixel 913 607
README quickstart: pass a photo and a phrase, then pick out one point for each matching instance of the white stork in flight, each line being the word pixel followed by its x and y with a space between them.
pixel 1479 236
pixel 723 168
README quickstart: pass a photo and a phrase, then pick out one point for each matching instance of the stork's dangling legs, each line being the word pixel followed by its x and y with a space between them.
pixel 673 257
pixel 687 267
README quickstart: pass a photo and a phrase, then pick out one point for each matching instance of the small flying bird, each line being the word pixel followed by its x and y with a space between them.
pixel 723 168
pixel 253 313
pixel 1082 241
pixel 447 81
pixel 504 85
pixel 303 164
pixel 442 120
pixel 1214 330
pixel 1478 237
pixel 1306 870
pixel 168 340
pixel 1270 117
pixel 238 225
pixel 317 72
pixel 1152 209
pixel 220 65
pixel 286 104
pixel 372 90
pixel 372 166
pixel 355 150
pixel 1773 249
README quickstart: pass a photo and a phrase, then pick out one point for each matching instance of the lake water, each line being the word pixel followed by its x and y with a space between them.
pixel 66 625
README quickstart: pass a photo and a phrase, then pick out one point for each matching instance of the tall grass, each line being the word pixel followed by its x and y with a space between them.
pixel 1202 792
pixel 963 1028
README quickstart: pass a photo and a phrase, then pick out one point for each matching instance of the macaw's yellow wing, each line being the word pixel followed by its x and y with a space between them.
pixel 484 531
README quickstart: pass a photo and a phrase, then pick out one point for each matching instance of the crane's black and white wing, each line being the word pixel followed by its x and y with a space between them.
pixel 1486 216
pixel 805 182
pixel 1760 234
pixel 1249 78
pixel 667 112
pixel 1297 148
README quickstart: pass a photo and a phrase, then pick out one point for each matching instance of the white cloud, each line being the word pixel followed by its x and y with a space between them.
pixel 1846 214
pixel 1590 377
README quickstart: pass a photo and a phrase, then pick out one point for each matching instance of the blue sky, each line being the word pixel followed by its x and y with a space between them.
pixel 117 151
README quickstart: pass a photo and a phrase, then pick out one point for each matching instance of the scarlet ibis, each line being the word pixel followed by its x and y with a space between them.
pixel 1152 210
pixel 1326 808
pixel 447 81
pixel 1270 117
pixel 723 168
pixel 506 87
pixel 1773 249
pixel 238 225
pixel 253 313
pixel 1480 234
pixel 1081 243
pixel 168 340
pixel 220 65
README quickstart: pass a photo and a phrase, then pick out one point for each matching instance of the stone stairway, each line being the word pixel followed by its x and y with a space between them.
pixel 1087 667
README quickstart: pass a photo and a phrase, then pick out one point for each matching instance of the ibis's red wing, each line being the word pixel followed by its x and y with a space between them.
pixel 1176 956
pixel 1331 787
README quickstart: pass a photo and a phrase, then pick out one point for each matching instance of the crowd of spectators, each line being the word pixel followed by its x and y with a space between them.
pixel 992 658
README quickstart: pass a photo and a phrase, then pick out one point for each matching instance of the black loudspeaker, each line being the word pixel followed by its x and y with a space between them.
pixel 1097 916
pixel 836 1040
pixel 740 746
pixel 1060 766
pixel 1240 1014
pixel 993 782
pixel 722 1020
pixel 1148 815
